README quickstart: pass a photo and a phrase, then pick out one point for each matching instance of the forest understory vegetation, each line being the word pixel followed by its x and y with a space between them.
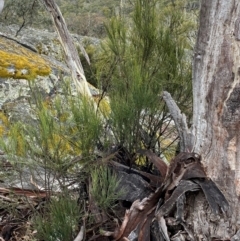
pixel 79 149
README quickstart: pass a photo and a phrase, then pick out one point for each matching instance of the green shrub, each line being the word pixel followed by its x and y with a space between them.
pixel 62 128
pixel 143 55
pixel 60 220
pixel 104 187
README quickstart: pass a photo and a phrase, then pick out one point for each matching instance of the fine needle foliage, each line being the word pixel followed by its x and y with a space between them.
pixel 61 129
pixel 105 190
pixel 60 221
pixel 143 55
pixel 145 52
pixel 59 147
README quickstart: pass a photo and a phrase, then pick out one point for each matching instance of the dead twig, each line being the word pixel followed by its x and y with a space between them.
pixel 80 234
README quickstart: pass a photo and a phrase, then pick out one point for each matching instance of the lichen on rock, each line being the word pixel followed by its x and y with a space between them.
pixel 20 63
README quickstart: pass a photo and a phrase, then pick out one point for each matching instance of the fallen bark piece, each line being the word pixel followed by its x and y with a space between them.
pixel 25 192
pixel 183 187
pixel 156 234
pixel 185 174
pixel 157 162
pixel 163 228
pixel 138 214
pixel 180 204
pixel 145 228
pixel 183 167
pixel 213 195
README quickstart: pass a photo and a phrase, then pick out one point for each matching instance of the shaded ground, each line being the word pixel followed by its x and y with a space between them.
pixel 154 205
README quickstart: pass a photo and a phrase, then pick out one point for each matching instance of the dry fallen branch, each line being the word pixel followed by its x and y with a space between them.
pixel 72 57
pixel 25 192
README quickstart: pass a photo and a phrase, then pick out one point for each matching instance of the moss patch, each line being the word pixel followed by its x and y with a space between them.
pixel 19 62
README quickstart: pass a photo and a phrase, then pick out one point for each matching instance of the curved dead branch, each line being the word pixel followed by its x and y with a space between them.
pixel 185 134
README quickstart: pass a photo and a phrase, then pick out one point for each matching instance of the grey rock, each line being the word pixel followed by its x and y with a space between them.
pixel 132 187
pixel 15 94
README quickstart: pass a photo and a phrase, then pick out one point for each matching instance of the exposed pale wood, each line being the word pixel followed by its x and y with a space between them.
pixel 80 235
pixel 1 5
pixel 186 137
pixel 72 57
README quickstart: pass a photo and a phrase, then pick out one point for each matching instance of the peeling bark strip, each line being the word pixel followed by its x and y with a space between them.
pixel 184 175
pixel 237 29
pixel 157 162
pixel 72 57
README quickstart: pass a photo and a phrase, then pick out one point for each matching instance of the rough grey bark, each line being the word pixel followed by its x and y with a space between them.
pixel 72 57
pixel 216 111
pixel 216 115
pixel 216 95
pixel 1 5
